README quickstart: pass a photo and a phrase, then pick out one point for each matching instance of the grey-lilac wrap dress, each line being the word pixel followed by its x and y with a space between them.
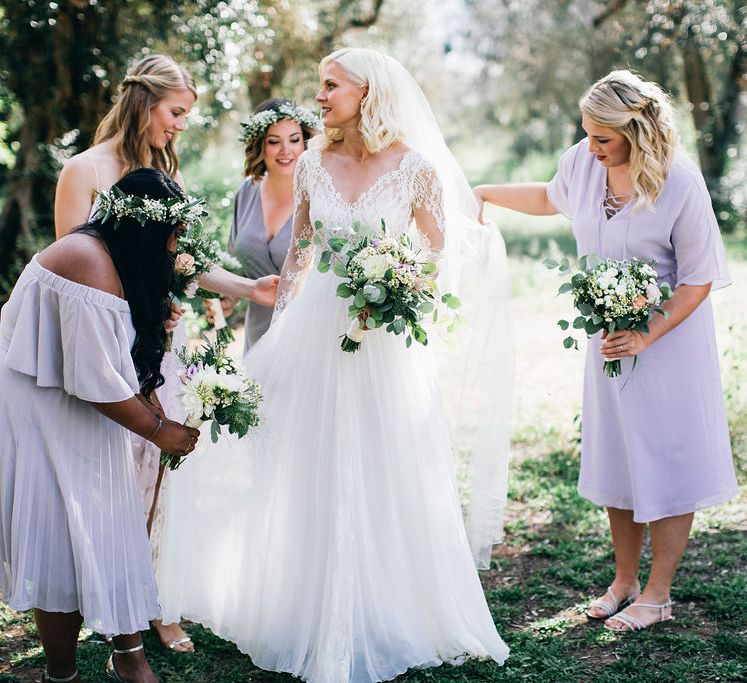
pixel 247 242
pixel 655 440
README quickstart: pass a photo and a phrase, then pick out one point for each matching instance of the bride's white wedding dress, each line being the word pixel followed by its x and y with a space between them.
pixel 331 543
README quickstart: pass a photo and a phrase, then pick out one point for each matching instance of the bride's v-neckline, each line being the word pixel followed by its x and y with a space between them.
pixel 370 188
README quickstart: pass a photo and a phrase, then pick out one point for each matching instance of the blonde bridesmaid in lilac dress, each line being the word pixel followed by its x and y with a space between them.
pixel 655 442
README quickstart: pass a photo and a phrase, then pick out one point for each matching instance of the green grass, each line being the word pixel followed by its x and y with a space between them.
pixel 557 558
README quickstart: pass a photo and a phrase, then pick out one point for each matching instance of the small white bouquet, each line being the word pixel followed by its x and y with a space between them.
pixel 216 389
pixel 389 285
pixel 611 295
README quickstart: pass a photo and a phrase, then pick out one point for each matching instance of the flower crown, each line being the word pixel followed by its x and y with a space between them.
pixel 260 122
pixel 115 203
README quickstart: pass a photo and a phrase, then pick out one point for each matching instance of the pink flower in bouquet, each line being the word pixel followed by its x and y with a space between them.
pixel 185 264
pixel 639 302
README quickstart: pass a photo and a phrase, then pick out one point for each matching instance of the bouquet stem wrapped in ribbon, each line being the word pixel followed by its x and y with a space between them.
pixel 611 295
pixel 389 286
pixel 216 389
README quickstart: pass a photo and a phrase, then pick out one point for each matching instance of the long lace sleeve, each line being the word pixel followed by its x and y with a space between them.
pixel 428 210
pixel 301 252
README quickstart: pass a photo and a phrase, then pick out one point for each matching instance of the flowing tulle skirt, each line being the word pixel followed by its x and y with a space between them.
pixel 330 544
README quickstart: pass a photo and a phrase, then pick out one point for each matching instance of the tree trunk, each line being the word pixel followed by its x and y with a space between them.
pixel 53 78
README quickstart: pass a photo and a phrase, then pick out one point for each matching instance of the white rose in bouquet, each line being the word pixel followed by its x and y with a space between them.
pixel 653 294
pixel 376 265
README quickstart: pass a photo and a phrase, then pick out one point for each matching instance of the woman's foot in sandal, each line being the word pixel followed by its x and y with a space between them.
pixel 173 637
pixel 129 666
pixel 616 598
pixel 640 615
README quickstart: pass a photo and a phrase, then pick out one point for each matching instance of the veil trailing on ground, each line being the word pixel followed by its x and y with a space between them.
pixel 475 364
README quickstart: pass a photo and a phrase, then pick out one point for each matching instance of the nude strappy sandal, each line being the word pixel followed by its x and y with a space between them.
pixel 632 624
pixel 613 606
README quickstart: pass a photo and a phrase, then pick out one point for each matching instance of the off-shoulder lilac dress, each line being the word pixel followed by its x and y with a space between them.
pixel 72 532
pixel 654 440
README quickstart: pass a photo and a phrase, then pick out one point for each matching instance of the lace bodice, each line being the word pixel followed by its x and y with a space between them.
pixel 410 191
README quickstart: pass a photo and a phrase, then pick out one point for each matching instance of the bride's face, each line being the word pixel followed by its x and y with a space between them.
pixel 340 98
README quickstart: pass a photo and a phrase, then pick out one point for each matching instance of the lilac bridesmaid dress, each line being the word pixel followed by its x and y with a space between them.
pixel 247 242
pixel 654 440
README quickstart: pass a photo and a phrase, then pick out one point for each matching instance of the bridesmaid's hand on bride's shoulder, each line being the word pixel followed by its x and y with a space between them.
pixel 173 437
pixel 265 290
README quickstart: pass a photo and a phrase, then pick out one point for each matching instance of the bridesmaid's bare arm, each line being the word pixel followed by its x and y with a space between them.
pixel 74 196
pixel 528 198
pixel 168 435
pixel 262 290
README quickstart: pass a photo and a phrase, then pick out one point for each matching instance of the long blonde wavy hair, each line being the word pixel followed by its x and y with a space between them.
pixel 380 124
pixel 144 86
pixel 642 112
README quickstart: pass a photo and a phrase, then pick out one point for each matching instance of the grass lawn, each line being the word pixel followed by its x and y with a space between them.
pixel 557 555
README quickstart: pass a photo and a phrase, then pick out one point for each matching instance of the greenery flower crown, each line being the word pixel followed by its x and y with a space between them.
pixel 258 123
pixel 116 204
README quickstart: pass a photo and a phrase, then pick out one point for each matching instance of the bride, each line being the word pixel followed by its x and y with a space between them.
pixel 331 545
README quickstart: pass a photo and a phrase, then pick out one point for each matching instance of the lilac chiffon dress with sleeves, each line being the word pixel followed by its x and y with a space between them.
pixel 654 440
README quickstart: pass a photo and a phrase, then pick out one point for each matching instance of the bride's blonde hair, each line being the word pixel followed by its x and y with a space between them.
pixel 380 124
pixel 642 112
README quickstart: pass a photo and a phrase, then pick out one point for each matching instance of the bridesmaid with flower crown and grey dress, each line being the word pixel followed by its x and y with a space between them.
pixel 655 442
pixel 274 137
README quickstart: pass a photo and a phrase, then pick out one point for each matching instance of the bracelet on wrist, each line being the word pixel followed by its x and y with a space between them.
pixel 157 429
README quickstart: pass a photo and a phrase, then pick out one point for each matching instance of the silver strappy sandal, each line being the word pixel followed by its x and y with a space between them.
pixel 111 672
pixel 613 606
pixel 46 678
pixel 633 624
pixel 176 643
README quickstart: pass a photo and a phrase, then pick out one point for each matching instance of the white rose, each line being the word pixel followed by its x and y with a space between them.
pixel 621 289
pixel 233 383
pixel 192 402
pixel 375 266
pixel 653 294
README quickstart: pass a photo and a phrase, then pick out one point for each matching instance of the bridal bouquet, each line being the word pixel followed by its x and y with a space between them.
pixel 215 389
pixel 197 251
pixel 388 284
pixel 611 295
